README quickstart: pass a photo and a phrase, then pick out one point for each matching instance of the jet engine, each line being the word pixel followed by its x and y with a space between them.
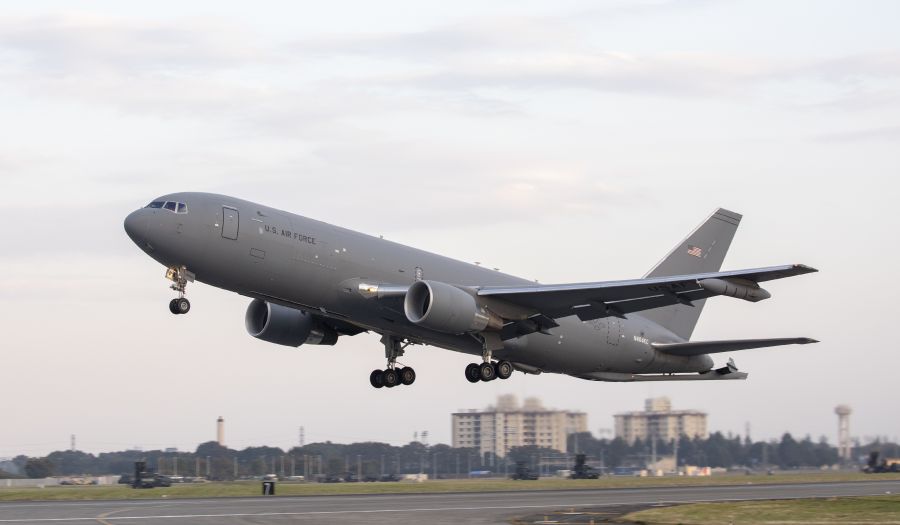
pixel 445 308
pixel 286 326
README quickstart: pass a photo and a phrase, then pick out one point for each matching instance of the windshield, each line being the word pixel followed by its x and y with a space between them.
pixel 173 206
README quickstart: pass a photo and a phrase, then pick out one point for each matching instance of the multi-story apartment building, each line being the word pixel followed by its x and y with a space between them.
pixel 499 428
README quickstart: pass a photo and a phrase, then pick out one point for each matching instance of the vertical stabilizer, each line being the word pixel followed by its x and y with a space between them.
pixel 700 252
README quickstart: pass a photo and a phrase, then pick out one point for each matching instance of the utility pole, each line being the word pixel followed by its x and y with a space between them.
pixel 197 466
pixel 677 439
pixel 434 466
pixel 72 443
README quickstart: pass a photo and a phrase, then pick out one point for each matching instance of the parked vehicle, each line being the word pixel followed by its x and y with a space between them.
pixel 523 472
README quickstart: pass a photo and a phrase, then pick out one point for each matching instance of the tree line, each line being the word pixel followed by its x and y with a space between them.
pixel 372 459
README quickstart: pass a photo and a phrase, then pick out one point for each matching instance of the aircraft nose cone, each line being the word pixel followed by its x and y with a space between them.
pixel 136 226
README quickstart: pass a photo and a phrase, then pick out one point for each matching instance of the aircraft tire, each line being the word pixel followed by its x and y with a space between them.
pixel 389 378
pixel 375 379
pixel 172 307
pixel 182 305
pixel 473 374
pixel 486 372
pixel 503 369
pixel 407 375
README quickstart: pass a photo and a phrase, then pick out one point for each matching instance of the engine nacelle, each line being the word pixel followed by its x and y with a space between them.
pixel 445 308
pixel 286 326
pixel 739 288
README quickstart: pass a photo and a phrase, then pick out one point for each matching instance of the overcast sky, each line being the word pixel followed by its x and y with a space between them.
pixel 564 141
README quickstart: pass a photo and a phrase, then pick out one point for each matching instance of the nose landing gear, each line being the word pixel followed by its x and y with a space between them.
pixel 179 276
pixel 392 376
pixel 179 306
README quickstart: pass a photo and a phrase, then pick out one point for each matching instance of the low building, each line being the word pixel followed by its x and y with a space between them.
pixel 499 428
pixel 659 421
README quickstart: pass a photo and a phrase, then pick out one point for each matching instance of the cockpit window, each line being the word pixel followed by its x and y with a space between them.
pixel 172 206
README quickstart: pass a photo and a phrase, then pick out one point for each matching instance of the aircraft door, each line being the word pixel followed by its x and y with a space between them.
pixel 230 220
pixel 614 330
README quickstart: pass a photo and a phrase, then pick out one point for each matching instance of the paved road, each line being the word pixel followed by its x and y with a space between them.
pixel 393 509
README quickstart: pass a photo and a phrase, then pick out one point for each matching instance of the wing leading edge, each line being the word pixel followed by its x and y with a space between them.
pixel 713 347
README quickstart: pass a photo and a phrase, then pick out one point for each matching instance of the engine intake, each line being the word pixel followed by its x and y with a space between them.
pixel 445 308
pixel 286 326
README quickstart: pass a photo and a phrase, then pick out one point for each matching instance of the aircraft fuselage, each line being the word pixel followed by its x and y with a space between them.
pixel 295 261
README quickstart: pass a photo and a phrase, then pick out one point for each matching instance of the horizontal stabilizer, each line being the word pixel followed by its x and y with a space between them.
pixel 617 377
pixel 713 347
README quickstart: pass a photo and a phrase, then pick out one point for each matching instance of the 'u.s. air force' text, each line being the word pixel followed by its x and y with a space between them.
pixel 299 237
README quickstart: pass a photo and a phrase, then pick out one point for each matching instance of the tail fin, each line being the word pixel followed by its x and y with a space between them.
pixel 702 251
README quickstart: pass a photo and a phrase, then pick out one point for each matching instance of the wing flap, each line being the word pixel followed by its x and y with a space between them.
pixel 713 347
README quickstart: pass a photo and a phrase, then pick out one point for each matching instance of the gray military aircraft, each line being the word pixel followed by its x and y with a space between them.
pixel 312 282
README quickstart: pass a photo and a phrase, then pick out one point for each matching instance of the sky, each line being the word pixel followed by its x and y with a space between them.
pixel 565 141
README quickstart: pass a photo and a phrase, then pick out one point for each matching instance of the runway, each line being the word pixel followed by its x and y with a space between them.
pixel 466 508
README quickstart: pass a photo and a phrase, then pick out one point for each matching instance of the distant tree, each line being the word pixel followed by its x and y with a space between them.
pixel 618 452
pixel 214 450
pixel 790 453
pixel 37 468
pixel 73 462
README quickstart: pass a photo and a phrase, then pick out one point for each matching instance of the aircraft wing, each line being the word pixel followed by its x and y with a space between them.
pixel 713 347
pixel 617 298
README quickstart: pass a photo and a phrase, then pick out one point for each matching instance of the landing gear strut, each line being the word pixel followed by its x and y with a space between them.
pixel 179 277
pixel 392 375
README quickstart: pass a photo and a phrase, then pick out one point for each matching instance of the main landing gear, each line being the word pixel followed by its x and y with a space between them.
pixel 392 375
pixel 179 277
pixel 488 371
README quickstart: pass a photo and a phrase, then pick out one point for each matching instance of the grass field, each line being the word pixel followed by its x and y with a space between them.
pixel 848 511
pixel 252 488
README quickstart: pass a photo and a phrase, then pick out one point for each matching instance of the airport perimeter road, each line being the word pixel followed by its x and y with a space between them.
pixel 404 508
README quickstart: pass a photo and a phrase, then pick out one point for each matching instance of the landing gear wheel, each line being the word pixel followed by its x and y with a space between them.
pixel 390 378
pixel 375 379
pixel 473 373
pixel 486 372
pixel 407 375
pixel 182 305
pixel 503 369
pixel 173 307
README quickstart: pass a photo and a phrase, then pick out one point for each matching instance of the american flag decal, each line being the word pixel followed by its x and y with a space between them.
pixel 696 251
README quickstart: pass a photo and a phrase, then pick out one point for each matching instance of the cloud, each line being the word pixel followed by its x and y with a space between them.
pixel 80 42
pixel 884 134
